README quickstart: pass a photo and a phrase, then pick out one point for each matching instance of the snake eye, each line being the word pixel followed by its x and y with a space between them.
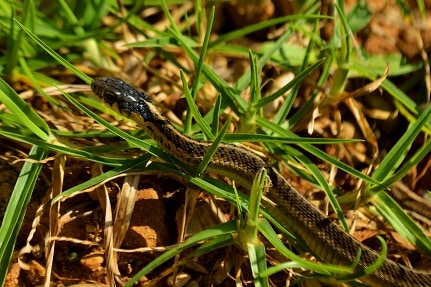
pixel 111 97
pixel 108 88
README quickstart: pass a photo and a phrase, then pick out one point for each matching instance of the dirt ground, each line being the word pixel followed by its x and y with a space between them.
pixel 79 253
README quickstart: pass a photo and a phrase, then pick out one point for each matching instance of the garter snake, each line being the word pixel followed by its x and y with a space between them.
pixel 324 238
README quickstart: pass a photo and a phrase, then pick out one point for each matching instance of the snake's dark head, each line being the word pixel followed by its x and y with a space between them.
pixel 123 96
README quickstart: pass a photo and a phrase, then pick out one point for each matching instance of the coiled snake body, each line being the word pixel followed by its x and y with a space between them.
pixel 323 237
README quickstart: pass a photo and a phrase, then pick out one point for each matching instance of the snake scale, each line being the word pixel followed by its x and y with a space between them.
pixel 324 238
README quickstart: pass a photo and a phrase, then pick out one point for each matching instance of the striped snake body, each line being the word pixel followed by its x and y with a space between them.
pixel 324 238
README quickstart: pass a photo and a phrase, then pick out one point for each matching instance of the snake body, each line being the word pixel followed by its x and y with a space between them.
pixel 324 238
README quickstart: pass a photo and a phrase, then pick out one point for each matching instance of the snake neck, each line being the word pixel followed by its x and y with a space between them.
pixel 181 146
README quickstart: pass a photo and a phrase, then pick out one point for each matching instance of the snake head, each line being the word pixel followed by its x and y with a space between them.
pixel 126 98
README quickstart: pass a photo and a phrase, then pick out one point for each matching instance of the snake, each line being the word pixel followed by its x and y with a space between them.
pixel 323 237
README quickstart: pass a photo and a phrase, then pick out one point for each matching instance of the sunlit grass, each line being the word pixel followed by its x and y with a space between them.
pixel 37 42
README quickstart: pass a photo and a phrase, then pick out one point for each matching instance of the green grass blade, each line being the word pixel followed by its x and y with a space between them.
pixel 61 148
pixel 323 184
pixel 23 114
pixel 359 17
pixel 17 206
pixel 410 163
pixel 261 25
pixel 255 247
pixel 246 137
pixel 266 229
pixel 31 76
pixel 216 116
pixel 207 234
pixel 398 152
pixel 129 164
pixel 199 68
pixel 284 110
pixel 56 56
pixel 213 148
pixel 401 222
pixel 371 268
pixel 152 149
pixel 210 74
pixel 298 78
pixel 316 152
pixel 194 111
pixel 245 79
pixel 215 243
pixel 257 258
pixel 14 45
